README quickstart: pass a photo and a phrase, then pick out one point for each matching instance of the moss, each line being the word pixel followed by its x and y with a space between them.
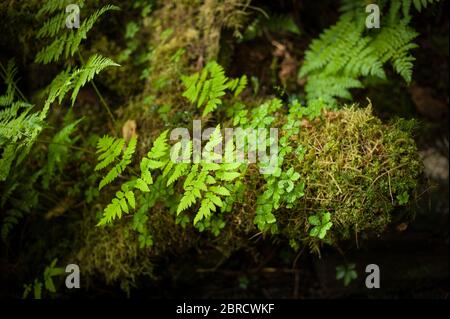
pixel 110 254
pixel 354 167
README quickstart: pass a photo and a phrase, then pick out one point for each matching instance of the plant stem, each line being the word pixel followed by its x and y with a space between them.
pixel 100 96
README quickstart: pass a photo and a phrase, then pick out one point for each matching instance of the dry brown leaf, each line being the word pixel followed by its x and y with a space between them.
pixel 129 129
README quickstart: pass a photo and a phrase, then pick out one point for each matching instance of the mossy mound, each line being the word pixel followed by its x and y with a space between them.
pixel 354 167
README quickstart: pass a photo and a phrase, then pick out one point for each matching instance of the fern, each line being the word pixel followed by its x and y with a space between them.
pixel 206 88
pixel 238 85
pixel 58 151
pixel 154 160
pixel 93 66
pixel 348 52
pixel 74 80
pixel 11 219
pixel 207 180
pixel 109 149
pixel 51 6
pixel 119 205
pixel 46 284
pixel 68 41
pixel 23 197
pixel 19 126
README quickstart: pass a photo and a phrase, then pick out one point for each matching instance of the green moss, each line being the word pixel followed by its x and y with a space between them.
pixel 354 167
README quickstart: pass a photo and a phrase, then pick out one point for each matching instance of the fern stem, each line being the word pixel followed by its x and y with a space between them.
pixel 100 96
pixel 102 100
pixel 13 82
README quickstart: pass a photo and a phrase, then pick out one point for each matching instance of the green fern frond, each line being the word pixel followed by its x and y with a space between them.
pixel 121 203
pixel 58 151
pixel 238 85
pixel 160 146
pixel 11 219
pixel 68 42
pixel 19 127
pixel 110 149
pixel 75 38
pixel 348 52
pixel 51 6
pixel 206 88
pixel 156 158
pixel 94 66
pixel 52 26
pixel 327 87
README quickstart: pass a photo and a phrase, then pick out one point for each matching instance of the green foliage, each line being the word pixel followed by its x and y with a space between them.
pixel 11 219
pixel 19 126
pixel 156 158
pixel 346 273
pixel 58 151
pixel 120 204
pixel 207 180
pixel 109 149
pixel 321 225
pixel 345 162
pixel 348 52
pixel 46 283
pixel 93 66
pixel 22 196
pixel 403 198
pixel 67 41
pixel 208 86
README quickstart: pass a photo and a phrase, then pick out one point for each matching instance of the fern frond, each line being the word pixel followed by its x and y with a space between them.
pixel 52 26
pixel 121 203
pixel 110 149
pixel 206 88
pixel 19 127
pixel 58 151
pixel 11 219
pixel 120 167
pixel 51 6
pixel 347 52
pixel 75 39
pixel 68 42
pixel 160 146
pixel 327 87
pixel 238 85
pixel 94 66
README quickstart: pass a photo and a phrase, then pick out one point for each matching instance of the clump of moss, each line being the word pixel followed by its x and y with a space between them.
pixel 357 169
pixel 112 254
